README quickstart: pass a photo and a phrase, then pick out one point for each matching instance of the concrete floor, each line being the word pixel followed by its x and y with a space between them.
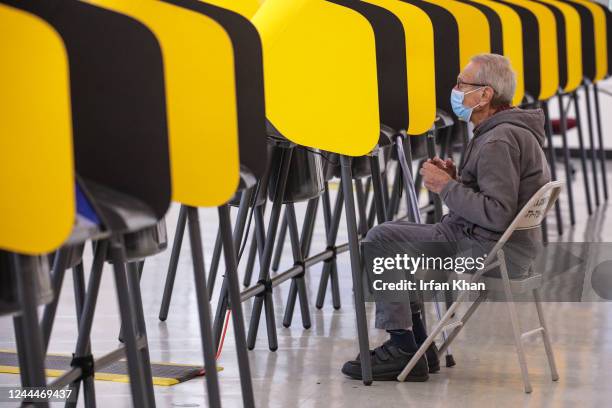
pixel 305 372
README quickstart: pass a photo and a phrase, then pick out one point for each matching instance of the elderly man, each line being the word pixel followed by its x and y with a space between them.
pixel 503 166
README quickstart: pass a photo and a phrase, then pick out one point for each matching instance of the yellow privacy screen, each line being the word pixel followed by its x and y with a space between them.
pixel 200 98
pixel 320 74
pixel 601 40
pixel 513 43
pixel 549 59
pixel 37 182
pixel 247 8
pixel 474 37
pixel 420 63
pixel 573 44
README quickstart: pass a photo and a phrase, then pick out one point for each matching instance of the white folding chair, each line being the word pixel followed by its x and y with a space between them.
pixel 530 217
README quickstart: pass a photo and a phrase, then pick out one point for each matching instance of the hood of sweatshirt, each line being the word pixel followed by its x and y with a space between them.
pixel 532 119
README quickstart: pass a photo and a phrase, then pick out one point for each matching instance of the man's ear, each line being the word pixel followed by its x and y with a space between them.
pixel 488 95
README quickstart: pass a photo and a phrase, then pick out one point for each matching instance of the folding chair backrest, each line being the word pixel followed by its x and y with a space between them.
pixel 546 41
pixel 594 39
pixel 420 62
pixel 569 38
pixel 511 42
pixel 118 101
pixel 201 99
pixel 37 205
pixel 320 74
pixel 533 212
pixel 446 50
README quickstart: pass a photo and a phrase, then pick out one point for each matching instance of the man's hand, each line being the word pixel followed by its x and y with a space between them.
pixel 447 165
pixel 434 178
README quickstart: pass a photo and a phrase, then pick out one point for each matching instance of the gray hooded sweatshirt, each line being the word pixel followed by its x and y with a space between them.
pixel 503 166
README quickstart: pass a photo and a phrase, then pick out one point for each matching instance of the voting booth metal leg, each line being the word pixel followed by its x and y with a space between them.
pixel 85 317
pixel 583 157
pixel 265 298
pixel 133 280
pixel 223 302
pixel 602 150
pixel 214 265
pixel 174 258
pixel 329 270
pixel 300 246
pixel 22 351
pixel 241 218
pixel 566 158
pixel 27 327
pixel 57 279
pixel 298 283
pixel 552 165
pixel 257 242
pixel 136 348
pixel 199 275
pixel 78 279
pixel 356 269
pixel 593 156
pixel 236 306
pixel 248 271
pixel 280 243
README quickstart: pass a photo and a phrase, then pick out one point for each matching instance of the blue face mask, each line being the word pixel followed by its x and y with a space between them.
pixel 463 112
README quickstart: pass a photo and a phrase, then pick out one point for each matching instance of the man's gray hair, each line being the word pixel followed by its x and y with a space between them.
pixel 496 71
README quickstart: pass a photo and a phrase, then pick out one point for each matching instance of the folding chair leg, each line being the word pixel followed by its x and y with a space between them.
pixel 583 157
pixel 208 344
pixel 464 319
pixel 442 323
pixel 546 336
pixel 356 269
pixel 514 320
pixel 174 258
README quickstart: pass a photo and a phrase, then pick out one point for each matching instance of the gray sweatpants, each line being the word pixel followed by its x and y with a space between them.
pixel 398 315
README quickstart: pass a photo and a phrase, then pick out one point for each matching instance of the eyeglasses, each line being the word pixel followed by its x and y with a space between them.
pixel 461 82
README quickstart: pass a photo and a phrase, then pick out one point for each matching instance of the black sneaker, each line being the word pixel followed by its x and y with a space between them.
pixel 433 361
pixel 388 361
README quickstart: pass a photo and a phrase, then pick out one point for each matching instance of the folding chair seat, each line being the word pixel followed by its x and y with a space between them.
pixel 530 217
